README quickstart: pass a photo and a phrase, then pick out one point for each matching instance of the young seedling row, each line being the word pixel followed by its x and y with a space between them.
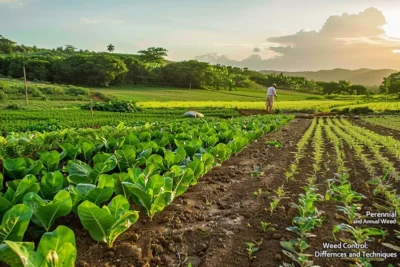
pixel 352 203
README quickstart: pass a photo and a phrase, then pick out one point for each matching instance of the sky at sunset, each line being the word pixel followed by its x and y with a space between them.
pixel 258 34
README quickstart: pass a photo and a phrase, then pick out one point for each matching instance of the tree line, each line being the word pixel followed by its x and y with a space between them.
pixel 68 65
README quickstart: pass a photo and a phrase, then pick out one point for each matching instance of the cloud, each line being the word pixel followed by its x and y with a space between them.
pixel 96 20
pixel 117 22
pixel 233 45
pixel 346 41
pixel 13 3
pixel 256 50
pixel 91 21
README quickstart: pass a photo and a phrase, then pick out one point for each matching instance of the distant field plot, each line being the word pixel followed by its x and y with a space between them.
pixel 391 122
pixel 379 106
pixel 40 105
pixel 15 90
pixel 175 94
pixel 311 105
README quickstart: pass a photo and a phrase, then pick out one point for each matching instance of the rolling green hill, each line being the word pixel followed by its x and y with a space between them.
pixel 366 77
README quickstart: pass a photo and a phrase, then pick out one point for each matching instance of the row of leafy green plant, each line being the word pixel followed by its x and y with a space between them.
pixel 30 143
pixel 149 165
pixel 58 119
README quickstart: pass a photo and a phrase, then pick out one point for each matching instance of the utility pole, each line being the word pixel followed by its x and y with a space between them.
pixel 91 107
pixel 26 87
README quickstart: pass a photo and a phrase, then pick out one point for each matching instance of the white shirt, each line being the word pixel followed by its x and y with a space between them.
pixel 271 91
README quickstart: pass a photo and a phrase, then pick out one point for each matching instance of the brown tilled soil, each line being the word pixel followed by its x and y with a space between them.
pixel 210 224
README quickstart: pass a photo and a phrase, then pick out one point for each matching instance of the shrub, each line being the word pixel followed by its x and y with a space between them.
pixel 3 95
pixel 13 107
pixel 361 110
pixel 49 90
pixel 32 91
pixel 73 90
pixel 115 106
pixel 313 98
pixel 105 97
pixel 331 96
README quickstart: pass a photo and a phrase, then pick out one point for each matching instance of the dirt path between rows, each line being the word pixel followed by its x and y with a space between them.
pixel 210 224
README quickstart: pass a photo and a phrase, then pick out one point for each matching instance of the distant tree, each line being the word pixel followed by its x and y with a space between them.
pixel 110 48
pixel 356 89
pixel 153 54
pixel 391 85
pixel 104 68
pixel 37 69
pixel 35 49
pixel 6 45
pixel 345 84
pixel 70 48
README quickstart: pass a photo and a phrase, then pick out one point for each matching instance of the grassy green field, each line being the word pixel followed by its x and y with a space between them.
pixel 309 105
pixel 162 97
pixel 144 94
pixel 379 106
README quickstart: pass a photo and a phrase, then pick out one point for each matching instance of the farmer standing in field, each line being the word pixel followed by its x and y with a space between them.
pixel 271 93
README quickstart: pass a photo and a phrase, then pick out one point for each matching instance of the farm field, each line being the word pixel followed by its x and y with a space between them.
pixel 162 94
pixel 48 96
pixel 152 188
pixel 378 106
pixel 232 192
pixel 286 106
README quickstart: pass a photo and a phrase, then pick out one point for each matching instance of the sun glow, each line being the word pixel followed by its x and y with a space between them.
pixel 392 28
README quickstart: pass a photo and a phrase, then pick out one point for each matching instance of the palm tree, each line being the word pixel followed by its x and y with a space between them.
pixel 110 48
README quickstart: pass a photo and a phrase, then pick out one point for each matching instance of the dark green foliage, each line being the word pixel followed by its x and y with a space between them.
pixel 356 110
pixel 115 106
pixel 391 84
pixel 3 95
pixel 13 107
pixel 361 110
pixel 153 54
pixel 76 91
pixel 342 88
